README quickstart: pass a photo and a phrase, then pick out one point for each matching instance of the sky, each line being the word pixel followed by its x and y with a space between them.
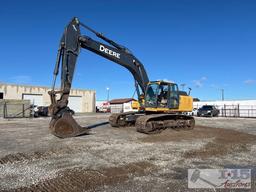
pixel 208 45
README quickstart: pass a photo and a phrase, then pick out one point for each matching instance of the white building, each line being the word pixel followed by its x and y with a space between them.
pixel 121 105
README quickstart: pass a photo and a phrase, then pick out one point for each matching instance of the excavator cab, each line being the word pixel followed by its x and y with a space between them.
pixel 161 96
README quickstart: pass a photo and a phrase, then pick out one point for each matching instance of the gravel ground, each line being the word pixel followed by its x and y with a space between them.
pixel 112 159
pixel 246 125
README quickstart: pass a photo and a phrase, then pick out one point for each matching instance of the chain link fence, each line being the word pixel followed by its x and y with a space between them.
pixel 15 108
pixel 235 110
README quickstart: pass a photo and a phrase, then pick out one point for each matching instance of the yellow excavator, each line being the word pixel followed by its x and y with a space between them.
pixel 161 104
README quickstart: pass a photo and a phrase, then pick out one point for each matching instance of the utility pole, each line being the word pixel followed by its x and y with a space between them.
pixel 222 94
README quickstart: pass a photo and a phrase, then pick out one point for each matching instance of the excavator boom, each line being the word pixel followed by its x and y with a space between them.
pixel 63 124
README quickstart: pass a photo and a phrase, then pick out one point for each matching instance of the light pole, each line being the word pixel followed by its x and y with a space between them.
pixel 107 93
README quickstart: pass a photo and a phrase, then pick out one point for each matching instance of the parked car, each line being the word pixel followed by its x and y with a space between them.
pixel 208 110
pixel 40 111
pixel 194 112
pixel 191 113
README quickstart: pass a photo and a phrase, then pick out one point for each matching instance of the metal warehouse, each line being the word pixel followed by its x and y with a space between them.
pixel 80 100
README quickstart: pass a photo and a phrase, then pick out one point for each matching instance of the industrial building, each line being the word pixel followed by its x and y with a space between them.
pixel 80 100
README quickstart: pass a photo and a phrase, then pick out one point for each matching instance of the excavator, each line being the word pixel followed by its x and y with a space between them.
pixel 161 104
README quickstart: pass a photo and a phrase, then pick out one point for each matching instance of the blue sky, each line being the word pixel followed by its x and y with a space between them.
pixel 208 44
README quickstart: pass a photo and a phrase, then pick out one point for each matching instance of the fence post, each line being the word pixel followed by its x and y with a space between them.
pixel 5 109
pixel 23 110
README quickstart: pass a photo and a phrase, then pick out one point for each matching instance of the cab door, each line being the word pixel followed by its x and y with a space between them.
pixel 151 95
pixel 174 97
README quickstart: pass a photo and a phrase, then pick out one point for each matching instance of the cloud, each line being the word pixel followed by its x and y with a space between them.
pixel 200 82
pixel 219 86
pixel 204 78
pixel 250 81
pixel 21 79
pixel 214 86
pixel 166 79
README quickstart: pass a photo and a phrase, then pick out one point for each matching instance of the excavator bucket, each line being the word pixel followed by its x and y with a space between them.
pixel 66 126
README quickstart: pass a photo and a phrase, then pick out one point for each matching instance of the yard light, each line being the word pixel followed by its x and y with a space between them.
pixel 107 93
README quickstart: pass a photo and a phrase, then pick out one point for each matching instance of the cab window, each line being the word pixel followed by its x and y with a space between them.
pixel 151 95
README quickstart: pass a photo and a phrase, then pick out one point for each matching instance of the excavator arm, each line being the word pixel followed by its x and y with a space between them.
pixel 63 124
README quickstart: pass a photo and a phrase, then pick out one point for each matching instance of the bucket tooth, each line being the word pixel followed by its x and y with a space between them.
pixel 66 126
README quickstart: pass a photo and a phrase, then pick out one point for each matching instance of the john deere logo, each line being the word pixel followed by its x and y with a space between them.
pixel 109 52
